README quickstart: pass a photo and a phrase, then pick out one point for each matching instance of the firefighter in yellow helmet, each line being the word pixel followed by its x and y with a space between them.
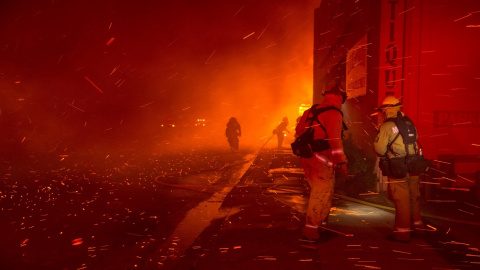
pixel 403 187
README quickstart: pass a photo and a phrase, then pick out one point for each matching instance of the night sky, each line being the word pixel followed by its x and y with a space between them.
pixel 91 71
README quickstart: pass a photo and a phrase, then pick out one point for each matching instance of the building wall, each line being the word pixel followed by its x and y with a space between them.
pixel 339 25
pixel 437 64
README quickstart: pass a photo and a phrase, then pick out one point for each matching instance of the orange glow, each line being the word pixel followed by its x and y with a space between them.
pixel 303 108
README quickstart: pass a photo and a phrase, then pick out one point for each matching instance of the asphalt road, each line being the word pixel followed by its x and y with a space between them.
pixel 209 209
pixel 92 210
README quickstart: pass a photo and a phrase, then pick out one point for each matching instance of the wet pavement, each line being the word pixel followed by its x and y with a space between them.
pixel 211 210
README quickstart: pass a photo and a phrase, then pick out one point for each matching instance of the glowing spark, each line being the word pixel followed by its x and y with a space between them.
pixel 90 81
pixel 406 10
pixel 442 161
pixel 328 229
pixel 77 242
pixel 307 246
pixel 437 171
pixel 271 45
pixel 171 43
pixel 465 179
pixel 110 26
pixel 238 11
pixel 263 31
pixel 472 205
pixel 24 138
pixel 431 227
pixel 473 26
pixel 75 107
pixel 24 243
pixel 459 189
pixel 390 182
pixel 175 74
pixel 110 41
pixel 475 144
pixel 369 193
pixel 402 252
pixel 456 243
pixel 336 16
pixel 465 212
pixel 323 48
pixel 449 179
pixel 208 60
pixel 441 200
pixel 119 82
pixel 114 70
pixel 247 36
pixel 466 16
pixel 145 105
pixel 368 266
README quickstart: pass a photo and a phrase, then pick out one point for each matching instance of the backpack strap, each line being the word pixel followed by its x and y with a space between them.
pixel 316 112
pixel 403 132
pixel 389 146
pixel 406 118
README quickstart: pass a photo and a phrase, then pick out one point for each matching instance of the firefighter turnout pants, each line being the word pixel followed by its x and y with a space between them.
pixel 321 178
pixel 405 193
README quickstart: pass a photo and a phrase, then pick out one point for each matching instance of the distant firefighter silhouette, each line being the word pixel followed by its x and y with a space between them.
pixel 281 131
pixel 232 132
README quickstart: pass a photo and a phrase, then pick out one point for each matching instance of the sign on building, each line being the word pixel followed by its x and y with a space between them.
pixel 357 69
pixel 391 49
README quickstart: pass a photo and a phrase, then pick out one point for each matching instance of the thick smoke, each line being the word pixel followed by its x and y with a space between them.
pixel 89 74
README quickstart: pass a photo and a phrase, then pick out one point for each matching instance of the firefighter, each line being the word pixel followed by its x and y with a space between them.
pixel 404 191
pixel 320 169
pixel 232 132
pixel 281 131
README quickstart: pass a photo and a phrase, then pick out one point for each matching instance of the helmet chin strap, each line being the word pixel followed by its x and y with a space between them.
pixel 384 114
